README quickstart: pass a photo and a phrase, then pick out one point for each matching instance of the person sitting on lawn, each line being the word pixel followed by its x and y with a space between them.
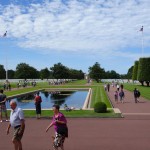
pixel 67 108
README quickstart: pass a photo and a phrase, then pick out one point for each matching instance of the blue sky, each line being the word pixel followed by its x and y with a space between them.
pixel 76 33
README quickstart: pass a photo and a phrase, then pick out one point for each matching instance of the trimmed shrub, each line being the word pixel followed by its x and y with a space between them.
pixel 100 107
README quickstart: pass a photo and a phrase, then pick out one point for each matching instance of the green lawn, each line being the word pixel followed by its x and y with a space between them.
pixel 98 94
pixel 144 90
pixel 73 114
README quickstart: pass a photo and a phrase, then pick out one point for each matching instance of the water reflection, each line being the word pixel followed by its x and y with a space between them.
pixel 71 98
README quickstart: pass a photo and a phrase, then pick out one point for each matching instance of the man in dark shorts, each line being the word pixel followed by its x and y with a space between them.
pixel 18 123
pixel 3 106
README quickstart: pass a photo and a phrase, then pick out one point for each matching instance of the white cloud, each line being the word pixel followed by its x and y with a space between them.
pixel 86 26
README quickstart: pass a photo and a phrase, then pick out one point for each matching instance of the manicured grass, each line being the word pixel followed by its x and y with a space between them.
pixel 98 95
pixel 77 82
pixel 73 114
pixel 144 90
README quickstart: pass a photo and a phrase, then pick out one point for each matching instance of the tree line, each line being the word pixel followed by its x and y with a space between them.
pixel 25 71
pixel 140 71
pixel 58 71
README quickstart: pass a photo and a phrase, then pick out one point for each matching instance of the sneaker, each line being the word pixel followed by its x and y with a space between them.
pixel 7 120
pixel 1 121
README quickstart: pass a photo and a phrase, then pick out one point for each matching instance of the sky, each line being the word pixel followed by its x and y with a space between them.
pixel 77 33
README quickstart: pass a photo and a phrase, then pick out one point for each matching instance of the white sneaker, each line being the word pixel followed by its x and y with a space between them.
pixel 1 121
pixel 7 120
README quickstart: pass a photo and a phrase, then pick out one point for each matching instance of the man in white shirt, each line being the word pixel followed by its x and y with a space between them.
pixel 18 123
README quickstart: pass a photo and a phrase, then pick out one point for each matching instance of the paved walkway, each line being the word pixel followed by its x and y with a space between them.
pixel 129 133
pixel 130 107
pixel 84 134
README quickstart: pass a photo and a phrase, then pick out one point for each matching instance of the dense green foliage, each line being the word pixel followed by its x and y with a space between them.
pixel 24 71
pixel 2 72
pixel 100 107
pixel 135 70
pixel 11 74
pixel 96 72
pixel 60 71
pixel 144 70
pixel 45 73
pixel 111 75
pixel 129 73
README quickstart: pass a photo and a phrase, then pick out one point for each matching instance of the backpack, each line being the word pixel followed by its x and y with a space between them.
pixel 138 93
pixel 121 94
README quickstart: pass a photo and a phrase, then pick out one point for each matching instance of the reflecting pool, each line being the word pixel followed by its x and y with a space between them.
pixel 71 98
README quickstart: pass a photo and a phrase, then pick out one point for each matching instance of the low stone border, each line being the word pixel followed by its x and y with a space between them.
pixel 87 100
pixel 21 94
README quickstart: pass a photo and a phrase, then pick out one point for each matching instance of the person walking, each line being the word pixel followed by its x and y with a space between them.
pixel 116 96
pixel 121 86
pixel 60 126
pixel 108 87
pixel 118 87
pixel 3 106
pixel 17 121
pixel 122 95
pixel 136 95
pixel 38 101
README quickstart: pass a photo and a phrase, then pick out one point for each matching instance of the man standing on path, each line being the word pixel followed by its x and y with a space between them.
pixel 136 95
pixel 108 87
pixel 18 123
pixel 3 105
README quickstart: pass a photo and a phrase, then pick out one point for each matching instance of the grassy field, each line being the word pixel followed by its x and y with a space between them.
pixel 73 114
pixel 98 91
pixel 144 90
pixel 98 94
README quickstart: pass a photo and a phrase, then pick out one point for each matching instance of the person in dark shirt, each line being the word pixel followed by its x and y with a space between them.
pixel 3 106
pixel 136 95
pixel 37 102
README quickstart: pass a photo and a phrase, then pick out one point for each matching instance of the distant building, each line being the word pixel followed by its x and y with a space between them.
pixel 86 76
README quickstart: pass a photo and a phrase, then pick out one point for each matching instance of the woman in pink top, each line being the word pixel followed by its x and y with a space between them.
pixel 60 126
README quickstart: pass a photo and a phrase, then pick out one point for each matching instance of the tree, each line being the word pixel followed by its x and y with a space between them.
pixel 112 75
pixel 96 72
pixel 24 71
pixel 2 72
pixel 11 74
pixel 76 74
pixel 60 71
pixel 135 70
pixel 144 70
pixel 44 73
pixel 130 72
